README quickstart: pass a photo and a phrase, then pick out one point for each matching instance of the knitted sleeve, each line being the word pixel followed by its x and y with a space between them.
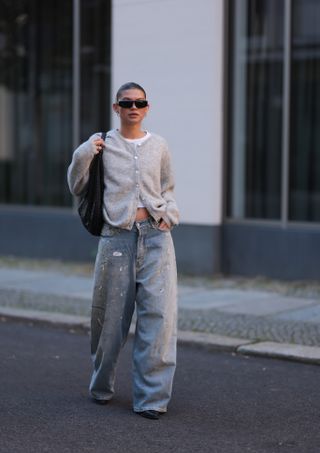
pixel 171 216
pixel 78 171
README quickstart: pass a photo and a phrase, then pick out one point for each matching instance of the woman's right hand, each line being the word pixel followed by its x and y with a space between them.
pixel 98 145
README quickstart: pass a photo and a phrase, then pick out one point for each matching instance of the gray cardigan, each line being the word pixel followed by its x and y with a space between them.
pixel 131 172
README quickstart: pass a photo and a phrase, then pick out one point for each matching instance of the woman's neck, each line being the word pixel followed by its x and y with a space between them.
pixel 132 132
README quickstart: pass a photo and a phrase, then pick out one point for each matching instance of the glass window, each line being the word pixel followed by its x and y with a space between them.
pixel 35 100
pixel 36 79
pixel 95 67
pixel 304 193
pixel 256 71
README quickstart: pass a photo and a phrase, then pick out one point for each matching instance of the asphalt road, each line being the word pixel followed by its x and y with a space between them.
pixel 221 404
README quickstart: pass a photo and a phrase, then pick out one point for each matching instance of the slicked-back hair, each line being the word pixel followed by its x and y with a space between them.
pixel 130 86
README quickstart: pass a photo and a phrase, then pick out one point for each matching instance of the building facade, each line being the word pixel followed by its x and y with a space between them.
pixel 233 86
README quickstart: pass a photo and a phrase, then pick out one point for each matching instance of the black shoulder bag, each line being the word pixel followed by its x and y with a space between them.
pixel 91 201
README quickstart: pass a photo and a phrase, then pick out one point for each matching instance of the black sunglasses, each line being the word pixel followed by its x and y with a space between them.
pixel 139 103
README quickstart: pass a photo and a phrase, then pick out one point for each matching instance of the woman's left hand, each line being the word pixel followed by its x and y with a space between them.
pixel 163 226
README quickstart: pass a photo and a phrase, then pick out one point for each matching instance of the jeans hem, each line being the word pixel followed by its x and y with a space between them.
pixel 136 410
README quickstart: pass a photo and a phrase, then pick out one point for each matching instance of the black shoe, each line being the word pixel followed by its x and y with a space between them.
pixel 152 415
pixel 101 402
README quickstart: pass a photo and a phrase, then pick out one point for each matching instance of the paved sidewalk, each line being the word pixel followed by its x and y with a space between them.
pixel 218 314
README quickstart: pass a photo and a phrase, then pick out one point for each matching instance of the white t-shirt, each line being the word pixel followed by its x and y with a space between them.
pixel 137 141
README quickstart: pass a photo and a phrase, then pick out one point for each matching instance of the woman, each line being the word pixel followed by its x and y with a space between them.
pixel 135 263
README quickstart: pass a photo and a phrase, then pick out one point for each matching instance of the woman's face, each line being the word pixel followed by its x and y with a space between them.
pixel 132 115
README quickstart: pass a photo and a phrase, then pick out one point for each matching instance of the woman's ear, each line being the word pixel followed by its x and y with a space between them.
pixel 115 108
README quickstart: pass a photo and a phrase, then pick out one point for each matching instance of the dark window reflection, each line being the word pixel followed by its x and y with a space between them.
pixel 35 101
pixel 36 94
pixel 95 66
pixel 256 109
pixel 305 112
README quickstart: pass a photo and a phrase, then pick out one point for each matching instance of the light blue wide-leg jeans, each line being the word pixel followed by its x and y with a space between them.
pixel 135 267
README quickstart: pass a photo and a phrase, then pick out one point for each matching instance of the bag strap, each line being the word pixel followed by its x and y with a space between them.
pixel 103 135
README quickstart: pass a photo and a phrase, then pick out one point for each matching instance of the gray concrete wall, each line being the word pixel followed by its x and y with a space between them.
pixel 198 249
pixel 58 234
pixel 234 249
pixel 44 233
pixel 289 254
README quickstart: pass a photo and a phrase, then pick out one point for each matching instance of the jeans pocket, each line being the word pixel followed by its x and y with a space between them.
pixel 154 223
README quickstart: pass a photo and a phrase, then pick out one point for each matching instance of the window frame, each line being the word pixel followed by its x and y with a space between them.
pixel 284 221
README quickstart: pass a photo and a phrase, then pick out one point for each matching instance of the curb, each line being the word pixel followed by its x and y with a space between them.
pixel 210 342
pixel 46 318
pixel 293 352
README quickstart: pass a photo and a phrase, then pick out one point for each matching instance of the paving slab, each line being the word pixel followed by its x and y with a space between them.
pixel 46 282
pixel 215 298
pixel 193 298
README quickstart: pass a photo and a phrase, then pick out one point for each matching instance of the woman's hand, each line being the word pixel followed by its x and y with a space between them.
pixel 163 226
pixel 98 145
